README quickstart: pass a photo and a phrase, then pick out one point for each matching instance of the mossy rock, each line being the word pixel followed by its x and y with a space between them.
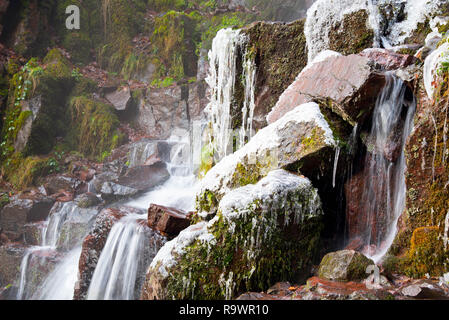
pixel 427 254
pixel 351 35
pixel 276 67
pixel 344 265
pixel 94 127
pixel 263 234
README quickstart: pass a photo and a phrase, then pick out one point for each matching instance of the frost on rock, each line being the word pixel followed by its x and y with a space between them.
pixel 299 133
pixel 431 66
pixel 263 233
pixel 393 22
pixel 326 15
pixel 399 19
pixel 166 257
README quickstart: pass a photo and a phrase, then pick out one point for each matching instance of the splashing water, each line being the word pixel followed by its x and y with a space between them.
pixel 383 199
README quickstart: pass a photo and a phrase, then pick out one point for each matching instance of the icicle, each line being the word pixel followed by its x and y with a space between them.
pixel 337 155
pixel 221 80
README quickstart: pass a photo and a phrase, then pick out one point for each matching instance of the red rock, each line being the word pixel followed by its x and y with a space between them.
pixel 21 211
pixel 387 59
pixel 350 82
pixel 168 221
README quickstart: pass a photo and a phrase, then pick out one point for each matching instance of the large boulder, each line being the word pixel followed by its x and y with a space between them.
pixel 161 110
pixel 265 232
pixel 295 137
pixel 345 265
pixel 131 182
pixel 349 85
pixel 20 211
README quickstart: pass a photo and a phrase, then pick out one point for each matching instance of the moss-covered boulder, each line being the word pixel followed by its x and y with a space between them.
pixel 263 233
pixel 35 114
pixel 276 66
pixel 344 26
pixel 94 127
pixel 345 265
pixel 299 134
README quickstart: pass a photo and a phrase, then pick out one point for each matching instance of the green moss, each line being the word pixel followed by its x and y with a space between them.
pixel 25 172
pixel 57 65
pixel 234 264
pixel 426 254
pixel 94 127
pixel 352 35
pixel 207 160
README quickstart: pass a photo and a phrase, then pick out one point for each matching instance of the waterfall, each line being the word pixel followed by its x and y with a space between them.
pixel 383 199
pixel 64 230
pixel 223 57
pixel 116 272
pixel 60 283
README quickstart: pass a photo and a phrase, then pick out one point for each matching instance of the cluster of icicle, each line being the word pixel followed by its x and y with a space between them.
pixel 223 58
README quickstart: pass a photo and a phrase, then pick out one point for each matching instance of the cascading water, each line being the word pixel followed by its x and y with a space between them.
pixel 66 226
pixel 127 253
pixel 116 272
pixel 383 199
pixel 226 47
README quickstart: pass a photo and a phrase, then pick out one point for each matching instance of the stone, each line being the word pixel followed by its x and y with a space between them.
pixel 423 289
pixel 120 99
pixel 293 140
pixel 276 67
pixel 344 26
pixel 87 200
pixel 33 233
pixel 168 221
pixel 19 212
pixel 58 183
pixel 387 59
pixel 266 232
pixel 96 240
pixel 144 177
pixel 93 244
pixel 344 265
pixel 349 86
pixel 10 259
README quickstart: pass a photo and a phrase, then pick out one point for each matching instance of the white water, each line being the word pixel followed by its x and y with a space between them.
pixel 60 283
pixel 61 232
pixel 115 275
pixel 390 176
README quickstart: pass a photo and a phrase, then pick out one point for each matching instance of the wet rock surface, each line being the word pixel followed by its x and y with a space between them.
pixel 21 211
pixel 93 244
pixel 168 221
